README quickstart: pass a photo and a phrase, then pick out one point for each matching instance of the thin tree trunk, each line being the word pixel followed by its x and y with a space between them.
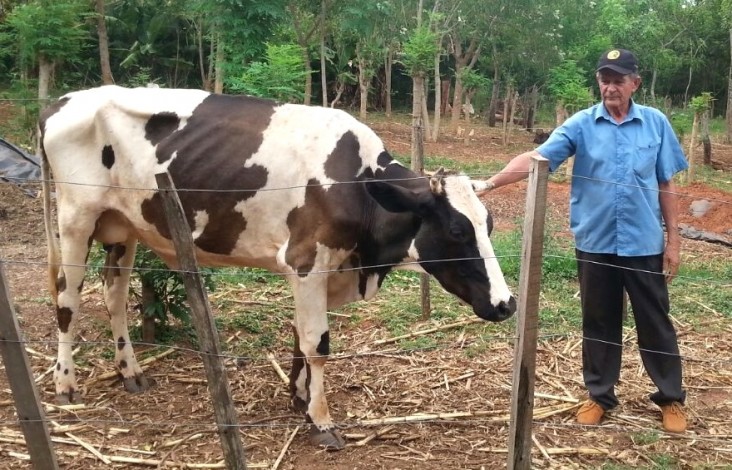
pixel 417 124
pixel 653 85
pixel 45 70
pixel 706 140
pixel 363 82
pixel 323 78
pixel 219 70
pixel 729 92
pixel 387 71
pixel 425 111
pixel 506 110
pixel 457 100
pixel 205 73
pixel 438 100
pixel 308 76
pixel 493 106
pixel 691 172
pixel 107 78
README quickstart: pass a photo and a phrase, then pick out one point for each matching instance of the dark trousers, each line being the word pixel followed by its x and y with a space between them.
pixel 602 278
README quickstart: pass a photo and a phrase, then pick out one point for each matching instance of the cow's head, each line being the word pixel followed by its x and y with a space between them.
pixel 452 242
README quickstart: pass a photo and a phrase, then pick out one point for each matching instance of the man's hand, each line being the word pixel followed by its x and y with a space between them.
pixel 481 188
pixel 671 259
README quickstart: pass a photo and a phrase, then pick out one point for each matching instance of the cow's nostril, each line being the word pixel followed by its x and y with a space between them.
pixel 506 309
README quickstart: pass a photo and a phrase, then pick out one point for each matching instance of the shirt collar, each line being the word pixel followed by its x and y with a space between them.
pixel 633 112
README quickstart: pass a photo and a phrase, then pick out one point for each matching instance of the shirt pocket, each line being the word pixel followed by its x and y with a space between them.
pixel 644 160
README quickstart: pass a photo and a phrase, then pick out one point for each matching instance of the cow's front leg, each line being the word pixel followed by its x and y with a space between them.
pixel 117 270
pixel 312 346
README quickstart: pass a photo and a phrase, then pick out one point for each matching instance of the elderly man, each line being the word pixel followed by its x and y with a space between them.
pixel 622 192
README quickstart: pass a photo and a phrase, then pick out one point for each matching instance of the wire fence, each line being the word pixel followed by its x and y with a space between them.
pixel 437 420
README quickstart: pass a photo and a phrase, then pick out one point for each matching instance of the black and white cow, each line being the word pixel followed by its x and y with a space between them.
pixel 305 191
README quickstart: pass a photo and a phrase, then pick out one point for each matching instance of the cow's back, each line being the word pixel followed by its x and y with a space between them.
pixel 251 172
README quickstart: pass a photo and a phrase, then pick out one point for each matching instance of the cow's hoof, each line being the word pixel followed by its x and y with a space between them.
pixel 330 440
pixel 136 383
pixel 69 398
pixel 298 404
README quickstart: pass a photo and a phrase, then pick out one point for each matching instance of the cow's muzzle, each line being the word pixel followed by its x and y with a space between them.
pixel 503 311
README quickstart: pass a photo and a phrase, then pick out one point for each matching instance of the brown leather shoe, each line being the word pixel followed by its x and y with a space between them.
pixel 590 413
pixel 674 417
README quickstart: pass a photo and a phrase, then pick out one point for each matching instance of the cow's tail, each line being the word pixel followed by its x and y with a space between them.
pixel 54 251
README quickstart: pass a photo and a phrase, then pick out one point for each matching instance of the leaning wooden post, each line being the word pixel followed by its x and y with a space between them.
pixel 524 364
pixel 20 376
pixel 203 321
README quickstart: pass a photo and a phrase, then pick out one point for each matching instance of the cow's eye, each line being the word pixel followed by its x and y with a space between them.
pixel 457 234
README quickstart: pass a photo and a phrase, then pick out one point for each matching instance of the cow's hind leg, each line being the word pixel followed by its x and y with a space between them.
pixel 75 232
pixel 117 270
pixel 312 348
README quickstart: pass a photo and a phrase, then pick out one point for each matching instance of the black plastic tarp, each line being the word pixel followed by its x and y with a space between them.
pixel 19 167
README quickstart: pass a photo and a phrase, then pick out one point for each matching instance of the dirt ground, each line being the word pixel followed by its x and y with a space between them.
pixel 170 425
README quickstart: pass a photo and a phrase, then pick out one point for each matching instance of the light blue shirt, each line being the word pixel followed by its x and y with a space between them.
pixel 614 201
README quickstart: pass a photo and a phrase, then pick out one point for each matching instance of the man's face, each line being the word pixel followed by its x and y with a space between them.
pixel 615 88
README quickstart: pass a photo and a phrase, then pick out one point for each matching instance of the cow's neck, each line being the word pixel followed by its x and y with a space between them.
pixel 387 238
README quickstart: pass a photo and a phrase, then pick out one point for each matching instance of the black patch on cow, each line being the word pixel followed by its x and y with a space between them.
pixel 58 366
pixel 160 126
pixel 298 362
pixel 66 371
pixel 344 162
pixel 384 159
pixel 324 345
pixel 61 283
pixel 111 269
pixel 108 156
pixel 63 315
pixel 324 219
pixel 121 343
pixel 211 151
pixel 123 364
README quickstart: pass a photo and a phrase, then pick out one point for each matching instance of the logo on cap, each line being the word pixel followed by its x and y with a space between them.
pixel 614 54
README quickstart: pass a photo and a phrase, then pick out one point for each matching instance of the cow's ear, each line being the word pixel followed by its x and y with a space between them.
pixel 436 182
pixel 396 198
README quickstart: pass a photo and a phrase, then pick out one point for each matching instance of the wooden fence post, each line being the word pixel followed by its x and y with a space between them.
pixel 20 376
pixel 203 321
pixel 418 167
pixel 524 364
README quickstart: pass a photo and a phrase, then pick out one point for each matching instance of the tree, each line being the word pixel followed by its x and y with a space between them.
pixel 307 19
pixel 107 78
pixel 727 12
pixel 363 23
pixel 46 33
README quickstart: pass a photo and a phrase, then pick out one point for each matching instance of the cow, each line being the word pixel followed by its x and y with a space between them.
pixel 307 192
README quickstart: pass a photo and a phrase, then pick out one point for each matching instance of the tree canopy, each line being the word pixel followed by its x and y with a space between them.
pixel 274 47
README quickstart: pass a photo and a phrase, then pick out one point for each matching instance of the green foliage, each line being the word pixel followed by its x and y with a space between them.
pixel 168 287
pixel 169 294
pixel 473 80
pixel 20 128
pixel 418 52
pixel 702 102
pixel 282 77
pixel 52 29
pixel 567 83
pixel 645 438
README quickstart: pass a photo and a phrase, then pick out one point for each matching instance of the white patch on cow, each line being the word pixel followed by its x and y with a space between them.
pixel 200 220
pixel 409 263
pixel 462 197
pixel 372 286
